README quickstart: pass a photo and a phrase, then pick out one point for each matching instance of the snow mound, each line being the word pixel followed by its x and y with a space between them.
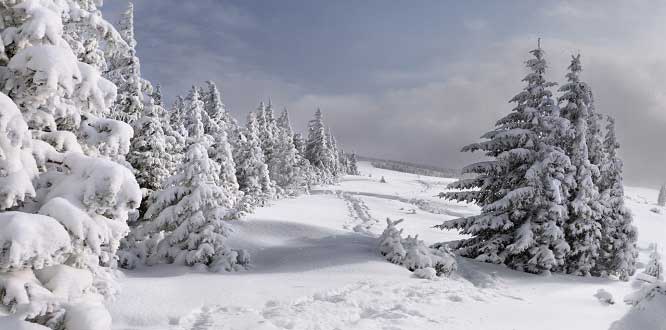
pixel 428 273
pixel 647 313
pixel 31 241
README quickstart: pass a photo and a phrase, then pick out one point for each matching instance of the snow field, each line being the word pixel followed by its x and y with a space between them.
pixel 315 265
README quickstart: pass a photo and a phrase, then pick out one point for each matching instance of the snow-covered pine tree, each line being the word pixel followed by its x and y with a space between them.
pixel 619 236
pixel 213 105
pixel 595 137
pixel 661 199
pixel 63 211
pixel 317 149
pixel 335 153
pixel 177 115
pixel 654 266
pixel 149 154
pixel 299 143
pixel 284 166
pixel 157 95
pixel 191 210
pixel 174 141
pixel 308 173
pixel 124 70
pixel 251 170
pixel 353 166
pixel 523 188
pixel 585 210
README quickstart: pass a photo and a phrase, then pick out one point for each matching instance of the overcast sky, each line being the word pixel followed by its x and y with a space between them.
pixel 412 80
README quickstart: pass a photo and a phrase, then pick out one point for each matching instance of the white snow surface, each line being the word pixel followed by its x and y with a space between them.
pixel 316 265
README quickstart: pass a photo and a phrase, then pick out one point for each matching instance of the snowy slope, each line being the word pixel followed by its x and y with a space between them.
pixel 315 266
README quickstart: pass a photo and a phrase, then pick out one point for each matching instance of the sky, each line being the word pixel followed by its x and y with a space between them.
pixel 412 80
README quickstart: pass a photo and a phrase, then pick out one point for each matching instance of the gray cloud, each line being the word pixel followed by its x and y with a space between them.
pixel 414 83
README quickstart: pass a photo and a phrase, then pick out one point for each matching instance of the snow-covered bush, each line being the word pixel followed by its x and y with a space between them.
pixel 604 297
pixel 654 266
pixel 390 242
pixel 413 253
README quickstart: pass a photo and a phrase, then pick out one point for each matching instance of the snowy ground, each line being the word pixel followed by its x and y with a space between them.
pixel 315 266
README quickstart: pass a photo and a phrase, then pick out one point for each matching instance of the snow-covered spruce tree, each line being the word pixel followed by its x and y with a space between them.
pixel 583 228
pixel 219 125
pixel 619 236
pixel 149 155
pixel 192 208
pixel 174 142
pixel 317 149
pixel 124 70
pixel 595 137
pixel 308 173
pixel 353 166
pixel 284 168
pixel 661 199
pixel 654 266
pixel 251 170
pixel 62 211
pixel 214 106
pixel 522 190
pixel 176 129
pixel 335 153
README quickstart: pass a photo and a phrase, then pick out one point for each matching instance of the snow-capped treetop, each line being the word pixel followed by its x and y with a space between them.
pixel 126 25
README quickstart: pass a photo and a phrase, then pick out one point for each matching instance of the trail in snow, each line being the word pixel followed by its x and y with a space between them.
pixel 422 204
pixel 359 213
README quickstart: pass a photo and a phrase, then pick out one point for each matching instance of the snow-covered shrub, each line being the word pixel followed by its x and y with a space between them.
pixel 654 266
pixel 418 254
pixel 413 253
pixel 390 242
pixel 604 297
